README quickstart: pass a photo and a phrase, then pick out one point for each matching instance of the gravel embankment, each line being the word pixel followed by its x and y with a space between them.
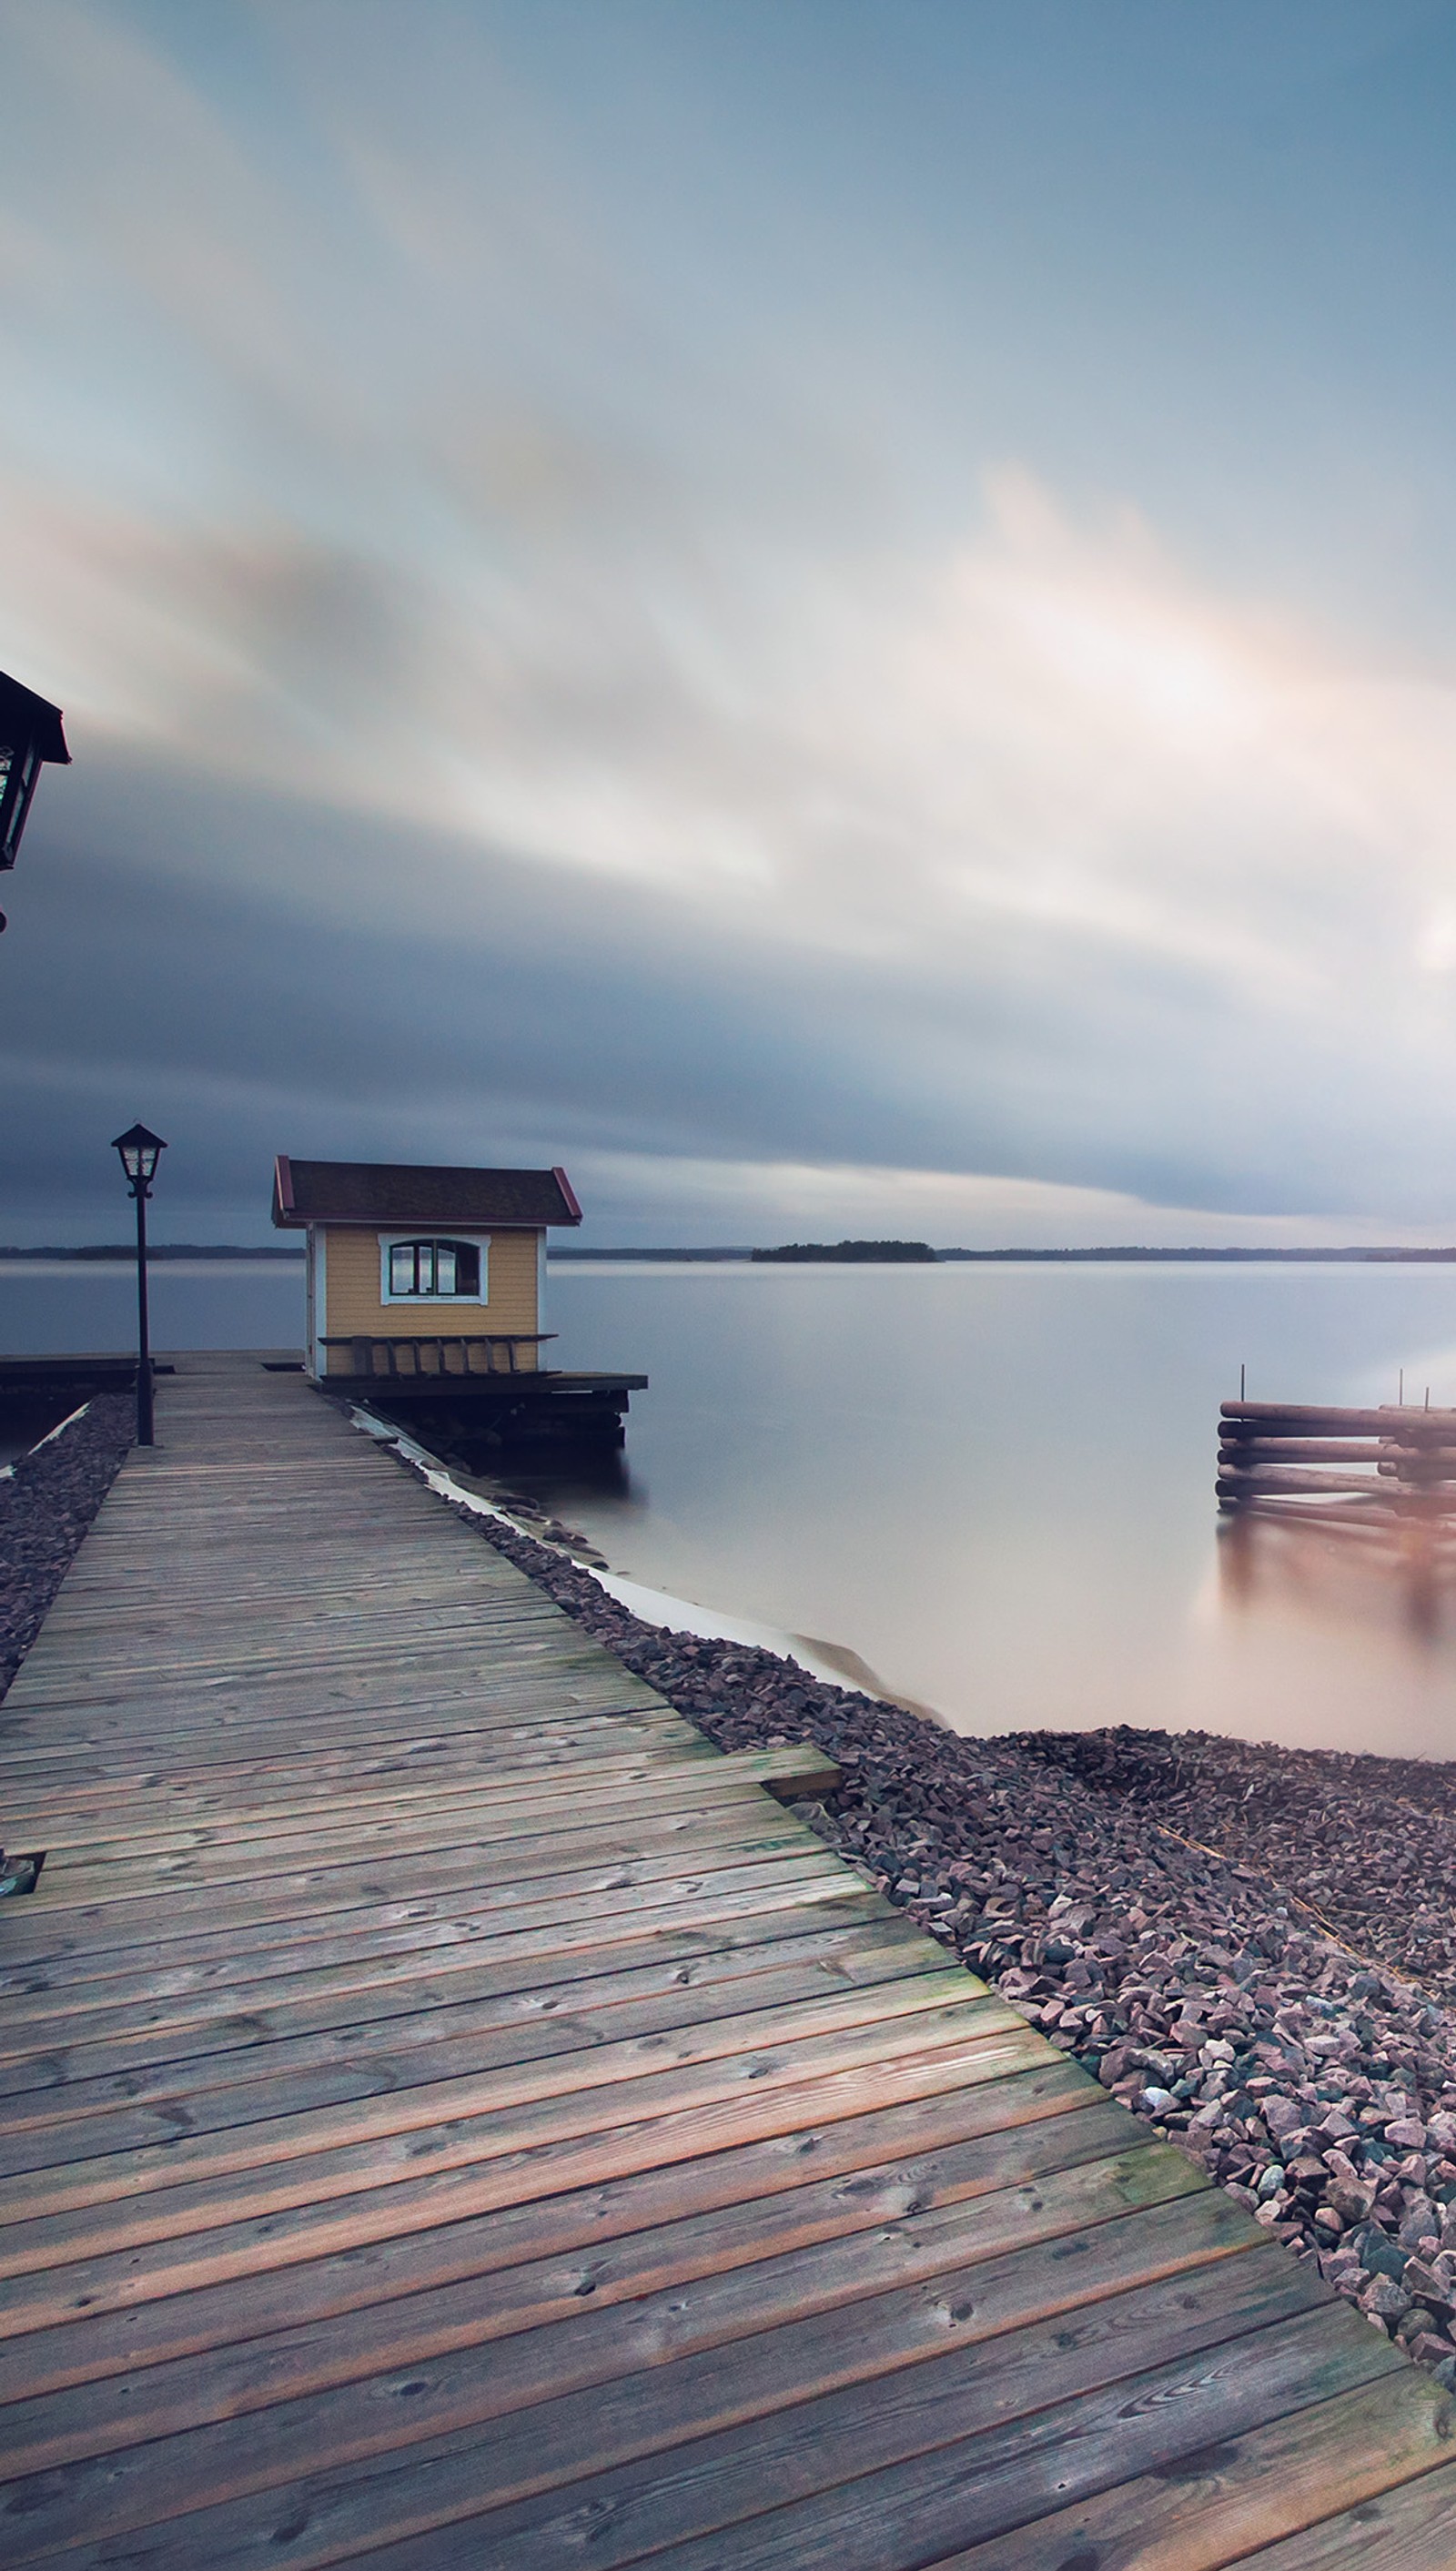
pixel 46 1505
pixel 1287 2050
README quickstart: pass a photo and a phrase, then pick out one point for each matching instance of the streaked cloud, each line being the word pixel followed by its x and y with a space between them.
pixel 462 555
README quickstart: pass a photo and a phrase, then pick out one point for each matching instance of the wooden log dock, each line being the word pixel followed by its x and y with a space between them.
pixel 454 2116
pixel 1387 1471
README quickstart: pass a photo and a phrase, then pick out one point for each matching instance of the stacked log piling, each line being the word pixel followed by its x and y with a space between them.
pixel 1380 1469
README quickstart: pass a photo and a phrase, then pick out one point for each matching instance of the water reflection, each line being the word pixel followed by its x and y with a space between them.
pixel 575 1477
pixel 1400 1575
pixel 997 1486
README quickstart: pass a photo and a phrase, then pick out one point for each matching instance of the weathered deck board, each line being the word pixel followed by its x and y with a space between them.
pixel 448 2107
pixel 568 2353
pixel 127 2039
pixel 946 2141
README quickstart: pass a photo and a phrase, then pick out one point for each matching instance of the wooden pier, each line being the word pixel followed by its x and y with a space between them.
pixel 453 2116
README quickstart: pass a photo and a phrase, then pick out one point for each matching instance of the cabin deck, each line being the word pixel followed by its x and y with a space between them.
pixel 453 2116
pixel 509 1407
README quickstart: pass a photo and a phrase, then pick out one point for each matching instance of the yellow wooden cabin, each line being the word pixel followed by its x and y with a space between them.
pixel 417 1273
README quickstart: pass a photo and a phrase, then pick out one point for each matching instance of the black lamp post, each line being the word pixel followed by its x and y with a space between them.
pixel 31 733
pixel 139 1153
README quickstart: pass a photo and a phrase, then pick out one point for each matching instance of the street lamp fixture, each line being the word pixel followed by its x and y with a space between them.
pixel 140 1151
pixel 31 735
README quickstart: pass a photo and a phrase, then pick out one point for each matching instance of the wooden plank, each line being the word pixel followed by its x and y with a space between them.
pixel 458 1591
pixel 449 1727
pixel 156 1810
pixel 487 1680
pixel 195 1787
pixel 508 1799
pixel 454 1825
pixel 484 1652
pixel 237 1580
pixel 327 1714
pixel 513 1892
pixel 539 2357
pixel 420 1686
pixel 205 1638
pixel 409 1638
pixel 675 1844
pixel 1263 1479
pixel 376 1945
pixel 757 2485
pixel 444 2034
pixel 518 1635
pixel 404 1631
pixel 521 1638
pixel 1241 1450
pixel 470 1589
pixel 710 1807
pixel 563 2199
pixel 580 1911
pixel 271 1595
pixel 225 2131
pixel 1233 2501
pixel 1132 2423
pixel 1410 1425
pixel 514 1621
pixel 535 2263
pixel 1411 2527
pixel 90 2044
pixel 232 2480
pixel 312 1717
pixel 610 2132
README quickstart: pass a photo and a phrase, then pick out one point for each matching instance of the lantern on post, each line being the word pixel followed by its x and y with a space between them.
pixel 139 1153
pixel 31 735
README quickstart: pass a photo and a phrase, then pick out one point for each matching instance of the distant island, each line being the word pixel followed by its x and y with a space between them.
pixel 127 1250
pixel 632 1250
pixel 851 1254
pixel 916 1252
pixel 1263 1257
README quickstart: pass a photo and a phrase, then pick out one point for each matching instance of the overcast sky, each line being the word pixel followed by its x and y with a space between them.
pixel 840 614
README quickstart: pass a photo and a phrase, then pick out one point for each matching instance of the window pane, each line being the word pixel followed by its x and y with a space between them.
pixel 443 1268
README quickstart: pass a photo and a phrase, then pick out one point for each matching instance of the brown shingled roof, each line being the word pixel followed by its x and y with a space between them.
pixel 403 1192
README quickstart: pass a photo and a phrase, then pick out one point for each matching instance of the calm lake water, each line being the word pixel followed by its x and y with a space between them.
pixel 994 1485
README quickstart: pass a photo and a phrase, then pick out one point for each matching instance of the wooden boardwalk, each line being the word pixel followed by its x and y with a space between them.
pixel 454 2116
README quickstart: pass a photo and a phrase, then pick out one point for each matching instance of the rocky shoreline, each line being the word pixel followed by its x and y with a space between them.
pixel 47 1501
pixel 1228 1935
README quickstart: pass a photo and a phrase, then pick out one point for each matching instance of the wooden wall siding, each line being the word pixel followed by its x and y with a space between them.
pixel 452 2116
pixel 354 1303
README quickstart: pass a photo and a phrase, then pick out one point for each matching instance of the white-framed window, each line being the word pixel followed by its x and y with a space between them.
pixel 432 1267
